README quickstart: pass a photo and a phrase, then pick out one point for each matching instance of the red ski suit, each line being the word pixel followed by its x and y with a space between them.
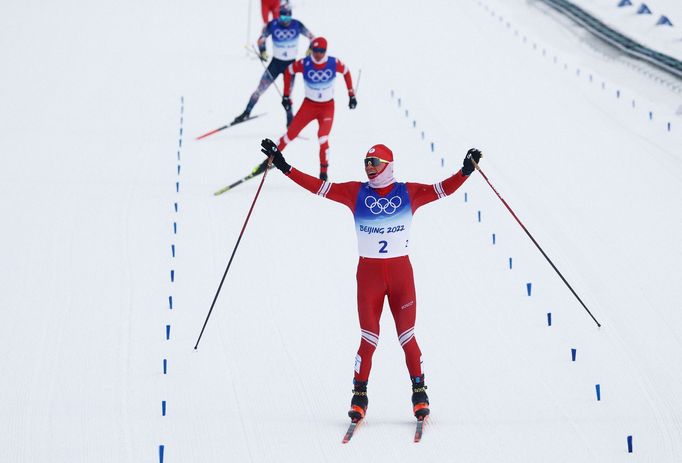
pixel 378 278
pixel 269 7
pixel 316 106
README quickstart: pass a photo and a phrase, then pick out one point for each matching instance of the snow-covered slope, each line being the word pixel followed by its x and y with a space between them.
pixel 109 213
pixel 650 29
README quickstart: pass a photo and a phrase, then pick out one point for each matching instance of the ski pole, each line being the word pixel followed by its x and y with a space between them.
pixel 248 24
pixel 535 243
pixel 253 50
pixel 215 298
pixel 357 86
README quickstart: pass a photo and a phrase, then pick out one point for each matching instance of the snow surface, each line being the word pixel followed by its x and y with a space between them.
pixel 101 104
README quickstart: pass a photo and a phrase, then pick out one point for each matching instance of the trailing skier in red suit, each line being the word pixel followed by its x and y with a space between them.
pixel 319 72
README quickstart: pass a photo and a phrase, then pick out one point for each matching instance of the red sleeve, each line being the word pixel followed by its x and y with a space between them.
pixel 421 193
pixel 344 193
pixel 343 69
pixel 293 68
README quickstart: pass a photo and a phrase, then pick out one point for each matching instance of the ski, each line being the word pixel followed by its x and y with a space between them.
pixel 259 169
pixel 228 126
pixel 419 430
pixel 351 430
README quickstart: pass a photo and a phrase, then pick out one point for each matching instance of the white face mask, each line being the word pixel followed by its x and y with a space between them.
pixel 384 179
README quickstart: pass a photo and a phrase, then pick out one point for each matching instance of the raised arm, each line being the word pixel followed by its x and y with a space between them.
pixel 344 193
pixel 421 194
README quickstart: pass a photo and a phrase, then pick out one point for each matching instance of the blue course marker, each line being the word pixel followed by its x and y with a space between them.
pixel 177 187
pixel 392 93
pixel 176 207
pixel 173 250
pixel 423 135
pixel 170 302
pixel 664 21
pixel 165 366
pixel 407 113
pixel 163 408
pixel 167 332
pixel 479 216
pixel 549 318
pixel 465 197
pixel 651 116
pixel 597 388
pixel 399 102
pixel 573 353
pixel 178 169
pixel 493 238
pixel 414 124
pixel 433 147
pixel 528 287
pixel 172 276
pixel 161 448
pixel 510 263
pixel 175 228
pixel 629 444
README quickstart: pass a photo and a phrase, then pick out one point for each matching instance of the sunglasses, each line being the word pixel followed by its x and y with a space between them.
pixel 374 161
pixel 319 50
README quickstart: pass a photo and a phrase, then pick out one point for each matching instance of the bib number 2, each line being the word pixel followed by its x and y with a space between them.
pixel 382 249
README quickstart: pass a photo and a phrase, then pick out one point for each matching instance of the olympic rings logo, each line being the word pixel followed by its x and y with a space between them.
pixel 377 206
pixel 321 75
pixel 285 34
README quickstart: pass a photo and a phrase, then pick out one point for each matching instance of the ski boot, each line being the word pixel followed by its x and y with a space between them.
pixel 242 117
pixel 420 401
pixel 358 404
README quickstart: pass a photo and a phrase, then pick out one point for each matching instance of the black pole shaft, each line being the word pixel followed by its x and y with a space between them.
pixel 253 49
pixel 537 245
pixel 215 298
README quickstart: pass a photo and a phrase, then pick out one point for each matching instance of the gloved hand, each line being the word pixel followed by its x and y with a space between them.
pixel 286 102
pixel 269 148
pixel 263 55
pixel 468 165
pixel 309 51
pixel 352 102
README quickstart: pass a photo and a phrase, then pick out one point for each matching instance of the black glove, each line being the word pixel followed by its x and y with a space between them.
pixel 352 102
pixel 468 165
pixel 269 148
pixel 286 102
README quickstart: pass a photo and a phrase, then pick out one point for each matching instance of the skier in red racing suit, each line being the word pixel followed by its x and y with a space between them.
pixel 383 210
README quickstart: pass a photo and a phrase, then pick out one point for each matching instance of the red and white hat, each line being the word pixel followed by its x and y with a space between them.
pixel 319 42
pixel 380 151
